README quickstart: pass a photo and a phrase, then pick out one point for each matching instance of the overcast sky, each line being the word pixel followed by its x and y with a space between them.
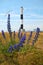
pixel 33 14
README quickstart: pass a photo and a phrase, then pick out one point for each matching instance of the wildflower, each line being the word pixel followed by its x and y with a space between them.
pixel 36 36
pixel 30 33
pixel 23 38
pixel 15 46
pixel 20 45
pixel 10 49
pixel 38 30
pixel 3 34
pixel 29 37
pixel 8 26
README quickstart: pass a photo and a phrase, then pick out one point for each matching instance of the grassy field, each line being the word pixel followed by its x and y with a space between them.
pixel 28 55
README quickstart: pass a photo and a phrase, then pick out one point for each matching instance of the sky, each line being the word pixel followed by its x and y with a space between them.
pixel 32 14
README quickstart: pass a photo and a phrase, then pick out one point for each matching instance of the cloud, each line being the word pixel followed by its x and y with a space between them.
pixel 34 16
pixel 26 16
pixel 12 14
pixel 29 22
pixel 33 8
pixel 2 14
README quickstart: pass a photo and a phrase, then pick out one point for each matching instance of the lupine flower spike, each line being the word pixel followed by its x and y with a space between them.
pixel 3 34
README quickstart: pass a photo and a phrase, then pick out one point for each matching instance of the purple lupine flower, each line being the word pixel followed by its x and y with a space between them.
pixel 8 26
pixel 10 49
pixel 33 42
pixel 38 30
pixel 29 37
pixel 36 36
pixel 30 33
pixel 37 33
pixel 3 34
pixel 15 46
pixel 23 38
pixel 20 45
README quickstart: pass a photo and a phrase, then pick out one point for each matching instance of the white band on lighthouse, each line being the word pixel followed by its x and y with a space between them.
pixel 21 10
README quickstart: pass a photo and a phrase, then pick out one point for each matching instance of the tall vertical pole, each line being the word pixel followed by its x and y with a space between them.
pixel 21 17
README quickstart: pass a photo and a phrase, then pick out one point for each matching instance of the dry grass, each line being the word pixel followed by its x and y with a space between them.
pixel 38 44
pixel 28 56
